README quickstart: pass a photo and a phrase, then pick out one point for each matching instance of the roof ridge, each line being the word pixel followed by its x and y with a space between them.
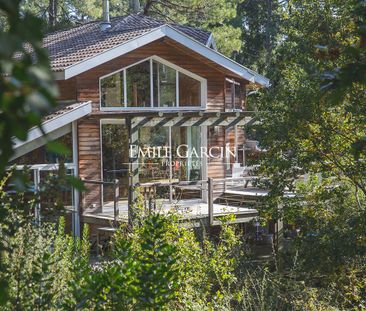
pixel 140 14
pixel 69 46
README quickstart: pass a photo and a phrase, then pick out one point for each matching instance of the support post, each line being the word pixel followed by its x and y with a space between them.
pixel 37 211
pixel 133 135
pixel 210 201
pixel 115 201
pixel 278 231
pixel 76 210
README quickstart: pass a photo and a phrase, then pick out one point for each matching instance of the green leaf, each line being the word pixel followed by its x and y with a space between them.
pixel 57 147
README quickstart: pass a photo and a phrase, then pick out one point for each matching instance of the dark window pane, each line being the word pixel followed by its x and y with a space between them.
pixel 153 165
pixel 238 97
pixel 115 158
pixel 186 148
pixel 112 90
pixel 41 155
pixel 164 85
pixel 138 85
pixel 189 91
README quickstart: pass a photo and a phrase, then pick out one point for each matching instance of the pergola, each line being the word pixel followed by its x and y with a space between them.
pixel 136 120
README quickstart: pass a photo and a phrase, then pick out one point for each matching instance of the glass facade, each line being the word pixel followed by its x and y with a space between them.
pixel 186 161
pixel 164 154
pixel 111 88
pixel 189 91
pixel 153 158
pixel 164 79
pixel 138 85
pixel 150 84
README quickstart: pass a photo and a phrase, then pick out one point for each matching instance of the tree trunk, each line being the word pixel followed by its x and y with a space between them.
pixel 134 6
pixel 52 13
pixel 148 6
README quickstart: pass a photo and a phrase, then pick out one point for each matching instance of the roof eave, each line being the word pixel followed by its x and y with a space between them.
pixel 53 124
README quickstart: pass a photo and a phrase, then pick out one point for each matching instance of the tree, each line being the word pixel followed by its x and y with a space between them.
pixel 261 31
pixel 307 125
pixel 214 15
pixel 313 122
pixel 27 89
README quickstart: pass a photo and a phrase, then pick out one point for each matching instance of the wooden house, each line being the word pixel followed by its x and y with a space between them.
pixel 137 82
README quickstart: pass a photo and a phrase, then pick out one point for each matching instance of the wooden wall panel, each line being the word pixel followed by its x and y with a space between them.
pixel 67 89
pixel 216 138
pixel 90 161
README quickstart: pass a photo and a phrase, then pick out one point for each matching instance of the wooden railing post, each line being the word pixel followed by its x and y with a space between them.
pixel 115 200
pixel 210 201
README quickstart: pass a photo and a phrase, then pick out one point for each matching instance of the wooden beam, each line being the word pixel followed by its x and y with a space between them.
pixel 210 201
pixel 220 120
pixel 133 178
pixel 118 114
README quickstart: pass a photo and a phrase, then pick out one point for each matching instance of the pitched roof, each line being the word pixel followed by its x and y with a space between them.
pixel 68 47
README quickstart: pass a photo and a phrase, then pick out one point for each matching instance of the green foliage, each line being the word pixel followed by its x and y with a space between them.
pixel 309 123
pixel 216 16
pixel 27 88
pixel 141 272
pixel 160 265
pixel 260 23
pixel 313 121
pixel 40 266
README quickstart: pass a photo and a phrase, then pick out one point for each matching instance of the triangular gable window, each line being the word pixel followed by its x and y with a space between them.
pixel 152 83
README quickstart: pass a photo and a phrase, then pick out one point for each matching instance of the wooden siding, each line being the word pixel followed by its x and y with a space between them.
pixel 67 89
pixel 216 138
pixel 90 160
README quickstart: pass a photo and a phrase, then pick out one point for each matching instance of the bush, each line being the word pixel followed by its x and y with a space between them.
pixel 40 267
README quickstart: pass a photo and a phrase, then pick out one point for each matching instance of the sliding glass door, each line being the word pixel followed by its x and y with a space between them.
pixel 186 161
pixel 153 161
pixel 164 154
pixel 115 158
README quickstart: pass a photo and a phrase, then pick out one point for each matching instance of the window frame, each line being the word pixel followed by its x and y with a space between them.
pixel 203 89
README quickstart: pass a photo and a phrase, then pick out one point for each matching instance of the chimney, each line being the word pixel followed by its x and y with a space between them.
pixel 106 23
pixel 134 6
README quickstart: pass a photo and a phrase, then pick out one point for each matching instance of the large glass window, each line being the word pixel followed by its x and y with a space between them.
pixel 189 91
pixel 163 153
pixel 112 93
pixel 151 84
pixel 186 161
pixel 233 95
pixel 165 85
pixel 138 85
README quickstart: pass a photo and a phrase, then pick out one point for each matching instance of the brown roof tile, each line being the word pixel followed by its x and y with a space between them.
pixel 71 46
pixel 61 109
